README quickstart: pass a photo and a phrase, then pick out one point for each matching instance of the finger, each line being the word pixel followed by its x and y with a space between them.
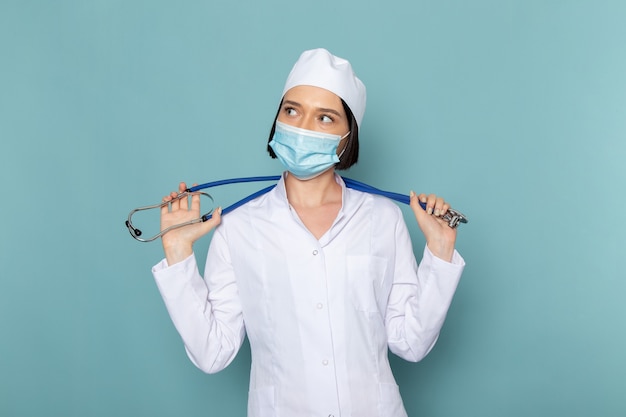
pixel 430 202
pixel 215 219
pixel 446 207
pixel 183 201
pixel 174 201
pixel 165 208
pixel 195 202
pixel 195 199
pixel 438 209
pixel 417 208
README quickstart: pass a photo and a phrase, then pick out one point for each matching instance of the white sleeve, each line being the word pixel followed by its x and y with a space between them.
pixel 206 313
pixel 419 299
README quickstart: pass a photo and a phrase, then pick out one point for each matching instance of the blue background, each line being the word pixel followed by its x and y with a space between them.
pixel 515 111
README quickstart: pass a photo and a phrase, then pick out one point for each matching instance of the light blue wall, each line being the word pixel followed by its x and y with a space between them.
pixel 513 110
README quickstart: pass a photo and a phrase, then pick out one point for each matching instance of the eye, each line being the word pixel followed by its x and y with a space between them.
pixel 326 119
pixel 290 111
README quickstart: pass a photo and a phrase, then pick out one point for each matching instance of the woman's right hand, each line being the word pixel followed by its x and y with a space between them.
pixel 178 243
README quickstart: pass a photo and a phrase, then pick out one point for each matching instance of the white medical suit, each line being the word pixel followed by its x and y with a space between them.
pixel 319 314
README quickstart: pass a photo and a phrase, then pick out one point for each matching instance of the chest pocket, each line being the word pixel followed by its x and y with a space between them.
pixel 369 283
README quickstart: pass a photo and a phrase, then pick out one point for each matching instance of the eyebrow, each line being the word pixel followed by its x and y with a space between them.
pixel 322 109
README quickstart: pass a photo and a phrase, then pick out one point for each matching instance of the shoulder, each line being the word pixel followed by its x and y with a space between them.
pixel 265 205
pixel 381 208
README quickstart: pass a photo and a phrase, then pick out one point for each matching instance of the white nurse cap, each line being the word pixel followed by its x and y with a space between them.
pixel 319 68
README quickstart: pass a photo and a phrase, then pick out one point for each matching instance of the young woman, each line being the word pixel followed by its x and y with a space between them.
pixel 321 278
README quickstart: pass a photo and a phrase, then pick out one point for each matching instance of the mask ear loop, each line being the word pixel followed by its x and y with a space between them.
pixel 345 147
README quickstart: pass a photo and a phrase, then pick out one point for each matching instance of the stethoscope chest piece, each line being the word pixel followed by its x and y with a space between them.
pixel 454 217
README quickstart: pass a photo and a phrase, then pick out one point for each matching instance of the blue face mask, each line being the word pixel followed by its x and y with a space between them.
pixel 305 153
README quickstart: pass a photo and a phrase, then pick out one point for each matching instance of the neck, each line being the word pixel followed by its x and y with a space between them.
pixel 315 192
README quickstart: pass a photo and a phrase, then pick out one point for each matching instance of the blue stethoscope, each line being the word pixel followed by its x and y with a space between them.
pixel 453 217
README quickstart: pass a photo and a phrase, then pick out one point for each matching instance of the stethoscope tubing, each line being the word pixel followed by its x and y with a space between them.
pixel 452 216
pixel 350 183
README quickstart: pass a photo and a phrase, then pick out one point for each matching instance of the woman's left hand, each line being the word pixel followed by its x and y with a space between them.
pixel 440 237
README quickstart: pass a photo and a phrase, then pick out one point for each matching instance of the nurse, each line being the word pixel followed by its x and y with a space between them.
pixel 321 278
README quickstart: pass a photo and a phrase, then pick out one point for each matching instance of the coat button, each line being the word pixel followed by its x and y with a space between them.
pixel 315 252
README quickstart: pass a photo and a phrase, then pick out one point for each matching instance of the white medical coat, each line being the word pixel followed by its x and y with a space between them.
pixel 319 314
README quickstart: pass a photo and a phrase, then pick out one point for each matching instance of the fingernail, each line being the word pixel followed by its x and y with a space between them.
pixel 412 194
